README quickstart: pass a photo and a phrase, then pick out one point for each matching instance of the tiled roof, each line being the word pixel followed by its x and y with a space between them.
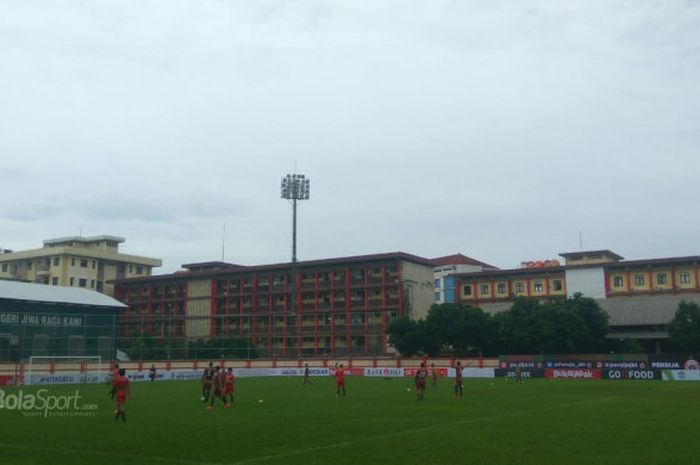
pixel 459 259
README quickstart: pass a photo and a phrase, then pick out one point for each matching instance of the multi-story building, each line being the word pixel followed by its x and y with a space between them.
pixel 641 296
pixel 453 264
pixel 87 262
pixel 325 307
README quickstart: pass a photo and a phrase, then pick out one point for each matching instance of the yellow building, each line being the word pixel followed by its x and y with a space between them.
pixel 88 262
pixel 640 296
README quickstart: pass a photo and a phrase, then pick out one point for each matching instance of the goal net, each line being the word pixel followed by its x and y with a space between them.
pixel 64 370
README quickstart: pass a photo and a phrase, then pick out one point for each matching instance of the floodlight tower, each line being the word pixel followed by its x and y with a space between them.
pixel 294 187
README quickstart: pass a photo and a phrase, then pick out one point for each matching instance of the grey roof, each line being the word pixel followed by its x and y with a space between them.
pixel 627 311
pixel 644 310
pixel 15 290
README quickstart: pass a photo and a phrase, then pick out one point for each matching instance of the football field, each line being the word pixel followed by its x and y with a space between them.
pixel 379 422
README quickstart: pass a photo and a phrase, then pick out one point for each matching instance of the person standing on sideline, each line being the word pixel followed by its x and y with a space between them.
pixel 306 379
pixel 152 372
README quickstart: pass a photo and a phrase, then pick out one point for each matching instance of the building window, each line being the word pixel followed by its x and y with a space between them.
pixel 29 265
pixel 661 279
pixel 437 297
pixel 684 277
pixel 437 284
pixel 139 270
pixel 556 285
pixel 72 281
pixel 639 280
pixel 4 267
pixel 72 261
pixel 54 281
pixel 484 289
pixel 501 288
pixel 538 287
pixel 92 283
pixel 618 281
pixel 82 282
pixel 94 264
pixel 83 263
pixel 519 287
pixel 56 261
pixel 467 290
pixel 121 268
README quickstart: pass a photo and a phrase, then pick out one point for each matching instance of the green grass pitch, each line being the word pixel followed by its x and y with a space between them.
pixel 380 422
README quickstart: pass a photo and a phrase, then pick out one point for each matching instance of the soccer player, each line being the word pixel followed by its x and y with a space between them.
pixel 229 388
pixel 518 374
pixel 207 379
pixel 306 379
pixel 217 387
pixel 123 392
pixel 115 375
pixel 421 376
pixel 340 381
pixel 152 373
pixel 458 380
pixel 433 374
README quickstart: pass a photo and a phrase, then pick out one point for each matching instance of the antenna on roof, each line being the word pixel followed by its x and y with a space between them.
pixel 223 243
pixel 580 241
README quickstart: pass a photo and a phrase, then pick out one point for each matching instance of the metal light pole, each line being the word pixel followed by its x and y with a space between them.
pixel 294 187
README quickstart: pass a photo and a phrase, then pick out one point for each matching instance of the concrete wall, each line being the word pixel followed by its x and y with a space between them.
pixel 198 305
pixel 418 290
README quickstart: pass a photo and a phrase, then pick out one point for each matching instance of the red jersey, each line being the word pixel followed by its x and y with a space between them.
pixel 228 383
pixel 340 376
pixel 121 385
pixel 115 376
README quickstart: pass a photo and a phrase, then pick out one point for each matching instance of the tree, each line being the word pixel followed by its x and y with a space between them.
pixel 404 335
pixel 684 329
pixel 456 328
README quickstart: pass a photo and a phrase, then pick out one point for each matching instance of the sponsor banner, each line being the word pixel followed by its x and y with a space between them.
pixel 441 372
pixel 580 373
pixel 623 364
pixel 349 371
pixel 681 375
pixel 674 362
pixel 473 373
pixel 71 378
pixel 524 373
pixel 7 380
pixel 569 364
pixel 619 374
pixel 183 375
pixel 522 361
pixel 313 371
pixel 384 372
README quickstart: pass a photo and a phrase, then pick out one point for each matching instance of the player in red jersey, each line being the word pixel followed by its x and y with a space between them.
pixel 421 376
pixel 340 380
pixel 123 393
pixel 229 388
pixel 115 375
pixel 458 380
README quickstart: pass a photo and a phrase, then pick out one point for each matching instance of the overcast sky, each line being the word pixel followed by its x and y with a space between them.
pixel 501 129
